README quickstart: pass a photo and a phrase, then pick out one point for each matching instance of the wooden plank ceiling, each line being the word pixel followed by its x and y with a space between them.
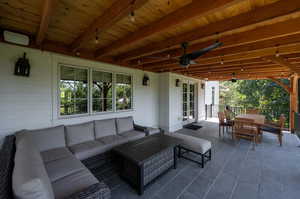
pixel 261 38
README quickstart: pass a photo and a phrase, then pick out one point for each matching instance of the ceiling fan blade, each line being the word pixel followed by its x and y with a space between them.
pixel 193 62
pixel 197 54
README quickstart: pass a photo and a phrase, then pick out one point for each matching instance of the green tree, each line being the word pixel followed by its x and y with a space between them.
pixel 265 95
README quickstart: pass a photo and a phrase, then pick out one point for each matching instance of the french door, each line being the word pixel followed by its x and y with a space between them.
pixel 188 102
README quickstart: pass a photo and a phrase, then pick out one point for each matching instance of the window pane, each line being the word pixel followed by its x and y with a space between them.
pixel 102 91
pixel 123 92
pixel 73 90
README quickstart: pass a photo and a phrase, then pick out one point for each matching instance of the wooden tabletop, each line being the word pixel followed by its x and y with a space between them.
pixel 258 118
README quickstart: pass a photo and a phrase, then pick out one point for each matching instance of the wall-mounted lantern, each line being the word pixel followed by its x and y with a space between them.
pixel 146 80
pixel 177 83
pixel 22 67
pixel 202 85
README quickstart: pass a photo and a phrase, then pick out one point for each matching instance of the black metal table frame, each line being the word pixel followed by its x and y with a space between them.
pixel 204 157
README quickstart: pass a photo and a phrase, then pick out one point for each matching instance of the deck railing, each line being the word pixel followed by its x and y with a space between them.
pixel 271 115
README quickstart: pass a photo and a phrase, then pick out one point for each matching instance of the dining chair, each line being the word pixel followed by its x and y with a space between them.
pixel 246 129
pixel 275 128
pixel 223 123
pixel 252 111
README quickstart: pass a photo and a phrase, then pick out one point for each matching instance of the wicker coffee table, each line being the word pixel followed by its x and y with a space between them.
pixel 144 160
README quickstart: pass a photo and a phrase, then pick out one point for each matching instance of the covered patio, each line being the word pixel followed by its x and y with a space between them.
pixel 90 81
pixel 235 172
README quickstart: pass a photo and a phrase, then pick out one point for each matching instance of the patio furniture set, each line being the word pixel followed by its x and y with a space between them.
pixel 52 162
pixel 250 126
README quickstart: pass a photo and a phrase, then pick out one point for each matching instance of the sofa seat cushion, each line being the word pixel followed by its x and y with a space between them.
pixel 47 138
pixel 88 149
pixel 124 124
pixel 133 135
pixel 73 183
pixel 55 154
pixel 79 133
pixel 194 143
pixel 105 127
pixel 63 167
pixel 112 141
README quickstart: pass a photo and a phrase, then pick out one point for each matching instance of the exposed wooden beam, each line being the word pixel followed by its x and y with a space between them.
pixel 258 53
pixel 270 35
pixel 257 16
pixel 287 88
pixel 188 12
pixel 293 101
pixel 47 12
pixel 117 11
pixel 283 62
pixel 263 75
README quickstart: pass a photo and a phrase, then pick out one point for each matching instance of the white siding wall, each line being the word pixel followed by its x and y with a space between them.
pixel 32 102
pixel 171 101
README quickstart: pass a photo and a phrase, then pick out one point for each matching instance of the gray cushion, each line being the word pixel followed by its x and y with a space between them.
pixel 105 127
pixel 73 183
pixel 124 124
pixel 194 143
pixel 112 140
pixel 30 179
pixel 88 149
pixel 47 138
pixel 133 135
pixel 63 167
pixel 80 133
pixel 56 154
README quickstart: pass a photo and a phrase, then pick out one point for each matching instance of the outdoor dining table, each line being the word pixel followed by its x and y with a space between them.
pixel 259 120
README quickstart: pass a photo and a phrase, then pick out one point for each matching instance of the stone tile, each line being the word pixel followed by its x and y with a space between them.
pixel 271 190
pixel 245 191
pixel 174 188
pixel 223 186
pixel 187 195
pixel 200 186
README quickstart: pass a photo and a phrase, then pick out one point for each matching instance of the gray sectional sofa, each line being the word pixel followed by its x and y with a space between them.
pixel 48 162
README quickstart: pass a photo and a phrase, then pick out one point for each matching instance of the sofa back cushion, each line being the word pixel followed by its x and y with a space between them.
pixel 47 138
pixel 124 124
pixel 79 133
pixel 105 128
pixel 30 179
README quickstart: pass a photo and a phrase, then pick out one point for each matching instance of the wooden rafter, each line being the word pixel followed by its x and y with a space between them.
pixel 283 62
pixel 266 36
pixel 190 11
pixel 48 8
pixel 117 11
pixel 258 53
pixel 284 86
pixel 266 13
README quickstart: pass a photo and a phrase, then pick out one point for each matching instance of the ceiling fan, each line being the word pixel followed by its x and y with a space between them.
pixel 187 59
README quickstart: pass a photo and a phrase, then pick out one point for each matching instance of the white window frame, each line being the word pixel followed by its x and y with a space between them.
pixel 115 103
pixel 90 97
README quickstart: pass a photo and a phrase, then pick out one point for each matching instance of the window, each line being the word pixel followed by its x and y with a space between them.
pixel 123 92
pixel 73 91
pixel 87 91
pixel 102 91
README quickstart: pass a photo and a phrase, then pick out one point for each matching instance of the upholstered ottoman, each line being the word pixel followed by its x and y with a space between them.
pixel 194 145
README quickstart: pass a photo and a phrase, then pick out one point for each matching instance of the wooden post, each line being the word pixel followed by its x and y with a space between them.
pixel 293 101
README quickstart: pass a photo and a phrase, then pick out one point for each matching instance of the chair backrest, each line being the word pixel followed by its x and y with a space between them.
pixel 245 126
pixel 221 117
pixel 252 111
pixel 282 121
pixel 227 115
